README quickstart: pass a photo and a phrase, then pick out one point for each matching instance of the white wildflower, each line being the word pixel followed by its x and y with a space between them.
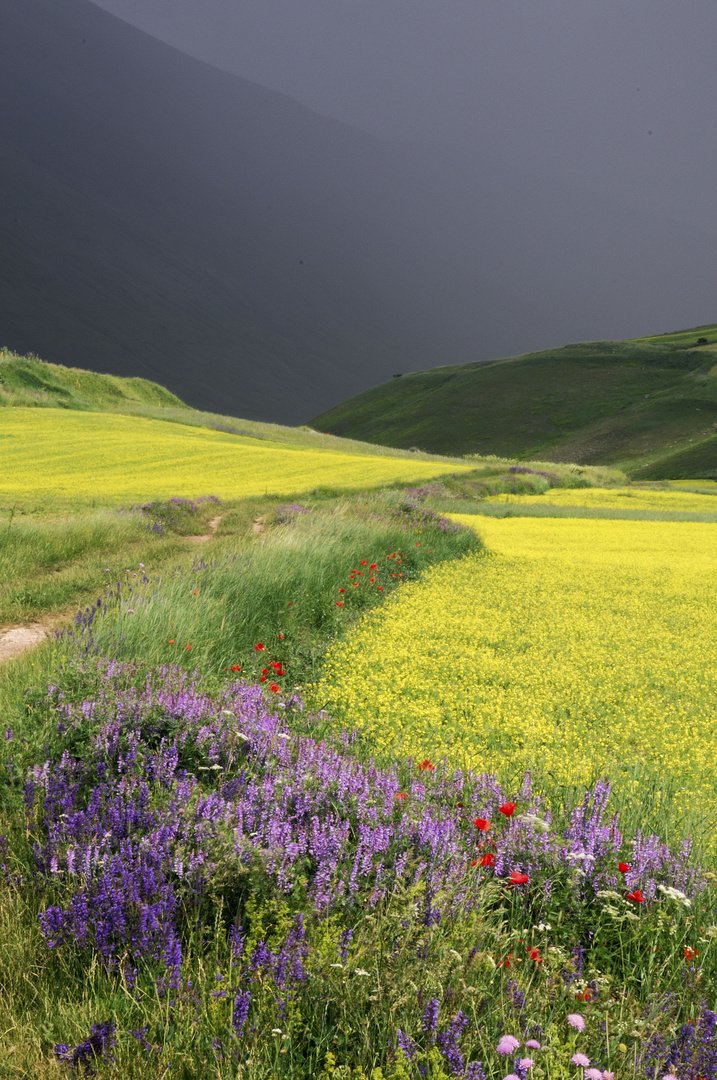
pixel 675 894
pixel 534 821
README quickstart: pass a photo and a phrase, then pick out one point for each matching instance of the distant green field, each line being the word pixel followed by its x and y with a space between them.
pixel 648 406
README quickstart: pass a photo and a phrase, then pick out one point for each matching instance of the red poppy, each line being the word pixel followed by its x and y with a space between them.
pixel 236 667
pixel 535 955
pixel 400 795
pixel 507 808
pixel 488 859
pixel 280 637
pixel 372 580
pixel 482 823
pixel 258 647
pixel 400 575
pixel 417 544
pixel 263 678
pixel 291 603
pixel 623 867
pixel 342 590
pixel 363 563
pixel 690 953
pixel 517 878
pixel 380 588
pixel 393 575
pixel 196 591
pixel 426 765
pixel 339 603
pixel 265 671
pixel 474 862
pixel 636 896
pixel 356 585
pixel 188 646
pixel 171 641
pixel 274 688
pixel 373 566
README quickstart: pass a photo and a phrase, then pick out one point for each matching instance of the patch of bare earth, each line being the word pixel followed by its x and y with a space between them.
pixel 212 526
pixel 15 640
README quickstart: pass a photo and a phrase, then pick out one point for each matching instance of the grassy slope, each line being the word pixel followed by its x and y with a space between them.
pixel 26 381
pixel 635 404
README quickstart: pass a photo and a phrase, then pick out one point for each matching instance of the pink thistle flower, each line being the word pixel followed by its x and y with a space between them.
pixel 533 1044
pixel 607 1075
pixel 593 1074
pixel 577 1021
pixel 507 1045
pixel 526 1063
pixel 511 1076
pixel 580 1059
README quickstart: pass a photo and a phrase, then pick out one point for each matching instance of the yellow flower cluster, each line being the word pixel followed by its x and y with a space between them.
pixel 111 456
pixel 621 498
pixel 571 647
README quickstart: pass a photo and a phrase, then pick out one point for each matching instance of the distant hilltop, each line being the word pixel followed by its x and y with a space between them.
pixel 645 405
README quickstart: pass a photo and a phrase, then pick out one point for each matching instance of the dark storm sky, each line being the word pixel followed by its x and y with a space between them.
pixel 615 96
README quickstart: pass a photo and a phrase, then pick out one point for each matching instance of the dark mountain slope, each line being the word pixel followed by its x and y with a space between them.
pixel 630 403
pixel 163 219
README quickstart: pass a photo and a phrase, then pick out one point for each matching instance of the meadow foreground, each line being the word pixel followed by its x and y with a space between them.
pixel 383 791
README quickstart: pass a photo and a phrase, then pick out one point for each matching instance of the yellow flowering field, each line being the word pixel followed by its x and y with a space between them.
pixel 116 457
pixel 623 498
pixel 572 647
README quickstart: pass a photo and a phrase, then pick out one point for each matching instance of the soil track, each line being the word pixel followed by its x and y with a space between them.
pixel 212 526
pixel 15 640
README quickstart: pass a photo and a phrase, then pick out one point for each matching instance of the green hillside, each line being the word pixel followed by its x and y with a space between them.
pixel 646 405
pixel 28 382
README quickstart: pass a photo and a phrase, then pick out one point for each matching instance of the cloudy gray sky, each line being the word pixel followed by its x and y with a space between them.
pixel 617 96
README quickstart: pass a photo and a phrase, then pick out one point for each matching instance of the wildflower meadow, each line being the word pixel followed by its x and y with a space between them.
pixel 375 791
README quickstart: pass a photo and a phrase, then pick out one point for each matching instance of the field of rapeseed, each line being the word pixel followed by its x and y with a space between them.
pixel 625 499
pixel 115 457
pixel 572 648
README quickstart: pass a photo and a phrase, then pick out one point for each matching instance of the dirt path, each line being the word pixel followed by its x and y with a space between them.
pixel 212 526
pixel 15 640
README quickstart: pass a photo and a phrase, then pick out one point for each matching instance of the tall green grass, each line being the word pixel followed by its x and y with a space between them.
pixel 50 562
pixel 289 589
